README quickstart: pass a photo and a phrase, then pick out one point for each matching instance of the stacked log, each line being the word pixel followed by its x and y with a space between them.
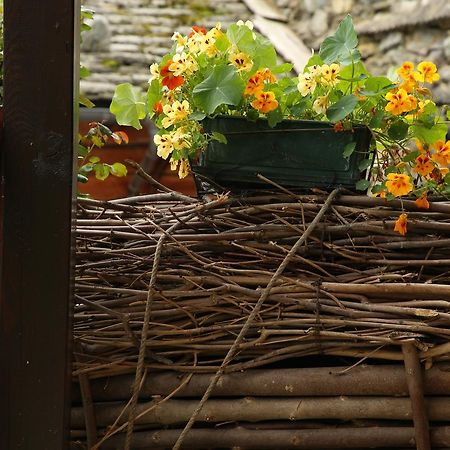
pixel 179 279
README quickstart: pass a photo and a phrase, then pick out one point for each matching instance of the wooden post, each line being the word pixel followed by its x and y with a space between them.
pixel 414 381
pixel 38 174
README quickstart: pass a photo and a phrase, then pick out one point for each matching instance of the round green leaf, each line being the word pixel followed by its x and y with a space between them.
pixel 128 105
pixel 342 108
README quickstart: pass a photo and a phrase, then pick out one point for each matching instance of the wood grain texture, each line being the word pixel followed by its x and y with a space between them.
pixel 38 174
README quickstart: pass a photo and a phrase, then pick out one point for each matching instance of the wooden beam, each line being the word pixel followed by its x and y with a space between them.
pixel 38 174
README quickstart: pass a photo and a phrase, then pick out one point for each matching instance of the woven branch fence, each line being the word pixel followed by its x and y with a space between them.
pixel 166 285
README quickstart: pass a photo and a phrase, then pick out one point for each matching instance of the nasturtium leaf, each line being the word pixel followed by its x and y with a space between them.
pixel 362 185
pixel 390 169
pixel 197 115
pixel 219 137
pixel 378 188
pixel 377 120
pixel 241 36
pixel 376 86
pixel 84 72
pixel 154 94
pixel 263 53
pixel 315 60
pixel 283 68
pixel 222 43
pixel 364 164
pixel 118 169
pixel 82 151
pixel 341 47
pixel 448 114
pixel 86 168
pixel 430 135
pixel 224 86
pixel 101 171
pixel 398 130
pixel 128 105
pixel 411 156
pixel 274 117
pixel 349 149
pixel 342 108
pixel 94 159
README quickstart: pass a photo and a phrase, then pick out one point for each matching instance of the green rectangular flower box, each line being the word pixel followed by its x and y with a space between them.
pixel 295 153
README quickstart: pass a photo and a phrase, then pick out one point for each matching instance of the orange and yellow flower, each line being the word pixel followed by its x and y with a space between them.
pixel 330 74
pixel 423 166
pixel 265 102
pixel 306 84
pixel 400 102
pixel 405 70
pixel 428 72
pixel 442 153
pixel 400 224
pixel 241 61
pixel 256 82
pixel 169 79
pixel 399 184
pixel 422 201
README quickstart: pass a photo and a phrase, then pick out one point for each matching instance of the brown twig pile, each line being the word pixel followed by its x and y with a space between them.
pixel 354 288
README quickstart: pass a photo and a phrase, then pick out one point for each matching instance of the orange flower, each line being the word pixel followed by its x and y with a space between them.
pixel 267 75
pixel 398 184
pixel 265 102
pixel 400 224
pixel 442 154
pixel 399 102
pixel 169 79
pixel 338 127
pixel 423 166
pixel 197 30
pixel 428 72
pixel 254 84
pixel 409 83
pixel 405 69
pixel 422 201
pixel 158 108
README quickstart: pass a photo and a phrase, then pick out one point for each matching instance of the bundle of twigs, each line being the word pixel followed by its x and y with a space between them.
pixel 355 287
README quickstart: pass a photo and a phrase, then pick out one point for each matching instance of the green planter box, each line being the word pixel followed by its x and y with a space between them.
pixel 299 154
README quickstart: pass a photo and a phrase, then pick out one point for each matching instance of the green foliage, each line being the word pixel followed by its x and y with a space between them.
pixel 222 87
pixel 342 108
pixel 342 45
pixel 128 105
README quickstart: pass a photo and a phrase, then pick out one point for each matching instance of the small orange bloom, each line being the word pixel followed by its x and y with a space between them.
pixel 423 166
pixel 169 79
pixel 399 184
pixel 399 102
pixel 423 148
pixel 197 30
pixel 338 127
pixel 409 83
pixel 405 69
pixel 400 224
pixel 422 201
pixel 265 102
pixel 428 72
pixel 158 108
pixel 254 84
pixel 442 152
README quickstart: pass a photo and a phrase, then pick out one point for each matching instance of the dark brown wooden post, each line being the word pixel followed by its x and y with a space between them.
pixel 41 39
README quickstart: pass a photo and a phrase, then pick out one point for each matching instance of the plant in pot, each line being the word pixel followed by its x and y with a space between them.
pixel 222 102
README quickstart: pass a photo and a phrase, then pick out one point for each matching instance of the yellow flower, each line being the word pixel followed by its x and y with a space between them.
pixel 306 84
pixel 154 71
pixel 409 83
pixel 423 148
pixel 265 102
pixel 164 145
pixel 422 201
pixel 182 63
pixel 442 152
pixel 320 105
pixel 180 139
pixel 330 73
pixel 423 166
pixel 315 71
pixel 428 72
pixel 400 224
pixel 173 164
pixel 175 113
pixel 183 170
pixel 405 70
pixel 399 184
pixel 400 102
pixel 180 40
pixel 241 61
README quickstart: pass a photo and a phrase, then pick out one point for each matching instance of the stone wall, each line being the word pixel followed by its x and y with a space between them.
pixel 134 33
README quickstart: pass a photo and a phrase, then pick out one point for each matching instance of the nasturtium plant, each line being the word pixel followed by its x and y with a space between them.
pixel 235 73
